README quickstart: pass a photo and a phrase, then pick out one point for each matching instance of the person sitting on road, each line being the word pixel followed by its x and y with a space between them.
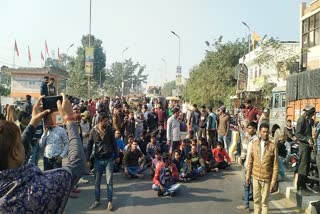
pixel 155 162
pixel 184 148
pixel 129 143
pixel 209 161
pixel 152 147
pixel 197 162
pixel 166 175
pixel 132 168
pixel 181 166
pixel 220 156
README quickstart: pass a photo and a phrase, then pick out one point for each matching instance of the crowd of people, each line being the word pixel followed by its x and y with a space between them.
pixel 111 135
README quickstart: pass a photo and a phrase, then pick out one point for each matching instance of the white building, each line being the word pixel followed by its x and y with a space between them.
pixel 258 75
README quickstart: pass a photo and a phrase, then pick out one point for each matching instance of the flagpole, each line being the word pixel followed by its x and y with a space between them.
pixel 14 54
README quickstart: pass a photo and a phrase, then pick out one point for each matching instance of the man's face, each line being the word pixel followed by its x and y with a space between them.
pixel 134 146
pixel 177 156
pixel 247 105
pixel 46 80
pixel 289 123
pixel 52 82
pixel 203 109
pixel 153 139
pixel 219 147
pixel 158 156
pixel 117 134
pixel 182 146
pixel 264 134
pixel 131 116
pixel 130 140
pixel 194 149
pixel 251 130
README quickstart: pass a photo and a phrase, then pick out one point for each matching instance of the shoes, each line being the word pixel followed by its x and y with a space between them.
pixel 76 190
pixel 94 205
pixel 109 206
pixel 172 194
pixel 83 181
pixel 243 208
pixel 73 195
pixel 160 193
pixel 304 191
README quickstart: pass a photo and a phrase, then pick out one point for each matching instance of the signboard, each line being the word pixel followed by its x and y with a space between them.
pixel 179 68
pixel 241 74
pixel 89 53
pixel 178 79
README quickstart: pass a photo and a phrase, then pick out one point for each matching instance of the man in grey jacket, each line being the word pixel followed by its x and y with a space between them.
pixel 173 131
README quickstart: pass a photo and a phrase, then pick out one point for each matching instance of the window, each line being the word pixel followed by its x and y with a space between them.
pixel 310 31
pixel 283 100
pixel 276 101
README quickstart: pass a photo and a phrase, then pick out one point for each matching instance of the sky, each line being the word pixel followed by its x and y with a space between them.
pixel 141 25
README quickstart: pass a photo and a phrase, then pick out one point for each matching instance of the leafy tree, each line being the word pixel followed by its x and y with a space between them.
pixel 273 53
pixel 133 77
pixel 212 81
pixel 168 87
pixel 62 63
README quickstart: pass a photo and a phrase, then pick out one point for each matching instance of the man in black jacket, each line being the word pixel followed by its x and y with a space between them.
pixel 44 86
pixel 105 151
pixel 305 140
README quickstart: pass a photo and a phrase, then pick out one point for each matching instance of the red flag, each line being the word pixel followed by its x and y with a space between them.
pixel 16 47
pixel 29 54
pixel 46 46
pixel 42 57
pixel 59 54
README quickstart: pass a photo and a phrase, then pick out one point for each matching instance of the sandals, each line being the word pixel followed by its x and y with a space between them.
pixel 109 206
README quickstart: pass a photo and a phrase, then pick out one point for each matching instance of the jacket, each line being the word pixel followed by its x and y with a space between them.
pixel 44 89
pixel 159 176
pixel 267 169
pixel 105 146
pixel 27 189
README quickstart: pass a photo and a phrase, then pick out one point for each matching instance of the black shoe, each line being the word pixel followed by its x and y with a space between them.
pixel 160 193
pixel 250 199
pixel 172 194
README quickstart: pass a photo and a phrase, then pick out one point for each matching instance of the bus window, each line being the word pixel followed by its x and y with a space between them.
pixel 283 100
pixel 276 101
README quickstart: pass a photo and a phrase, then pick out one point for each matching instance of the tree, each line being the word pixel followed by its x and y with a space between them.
pixel 99 56
pixel 62 63
pixel 273 53
pixel 212 81
pixel 168 87
pixel 133 77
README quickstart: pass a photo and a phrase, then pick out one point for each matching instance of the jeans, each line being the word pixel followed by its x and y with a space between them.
pixel 138 131
pixel 34 157
pixel 248 191
pixel 168 188
pixel 223 139
pixel 51 163
pixel 99 167
pixel 134 170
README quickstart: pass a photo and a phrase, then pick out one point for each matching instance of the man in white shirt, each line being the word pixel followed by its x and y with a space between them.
pixel 173 131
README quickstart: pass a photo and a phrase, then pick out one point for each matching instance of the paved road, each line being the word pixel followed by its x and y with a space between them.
pixel 214 193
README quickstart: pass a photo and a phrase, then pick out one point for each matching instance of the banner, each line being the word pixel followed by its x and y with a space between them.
pixel 178 79
pixel 89 53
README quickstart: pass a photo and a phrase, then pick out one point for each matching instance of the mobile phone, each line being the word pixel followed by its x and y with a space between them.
pixel 50 102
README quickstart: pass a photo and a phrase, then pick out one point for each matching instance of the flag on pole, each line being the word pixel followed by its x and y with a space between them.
pixel 16 47
pixel 42 57
pixel 46 47
pixel 59 57
pixel 29 54
pixel 256 39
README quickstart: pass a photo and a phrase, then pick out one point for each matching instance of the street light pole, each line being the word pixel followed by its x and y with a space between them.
pixel 249 31
pixel 89 47
pixel 178 87
pixel 165 67
pixel 122 84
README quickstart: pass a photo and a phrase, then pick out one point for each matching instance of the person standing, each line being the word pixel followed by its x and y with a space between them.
pixel 212 128
pixel 223 127
pixel 263 166
pixel 52 88
pixel 55 142
pixel 44 86
pixel 194 120
pixel 203 122
pixel 105 150
pixel 252 113
pixel 27 107
pixel 305 140
pixel 173 131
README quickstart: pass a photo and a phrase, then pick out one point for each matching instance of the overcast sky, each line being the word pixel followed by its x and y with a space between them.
pixel 142 25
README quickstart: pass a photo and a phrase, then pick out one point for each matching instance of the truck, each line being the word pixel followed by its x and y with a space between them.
pixel 301 89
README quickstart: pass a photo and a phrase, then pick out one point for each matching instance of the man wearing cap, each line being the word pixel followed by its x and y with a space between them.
pixel 305 140
pixel 252 113
pixel 203 122
pixel 165 177
pixel 173 131
pixel 223 127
